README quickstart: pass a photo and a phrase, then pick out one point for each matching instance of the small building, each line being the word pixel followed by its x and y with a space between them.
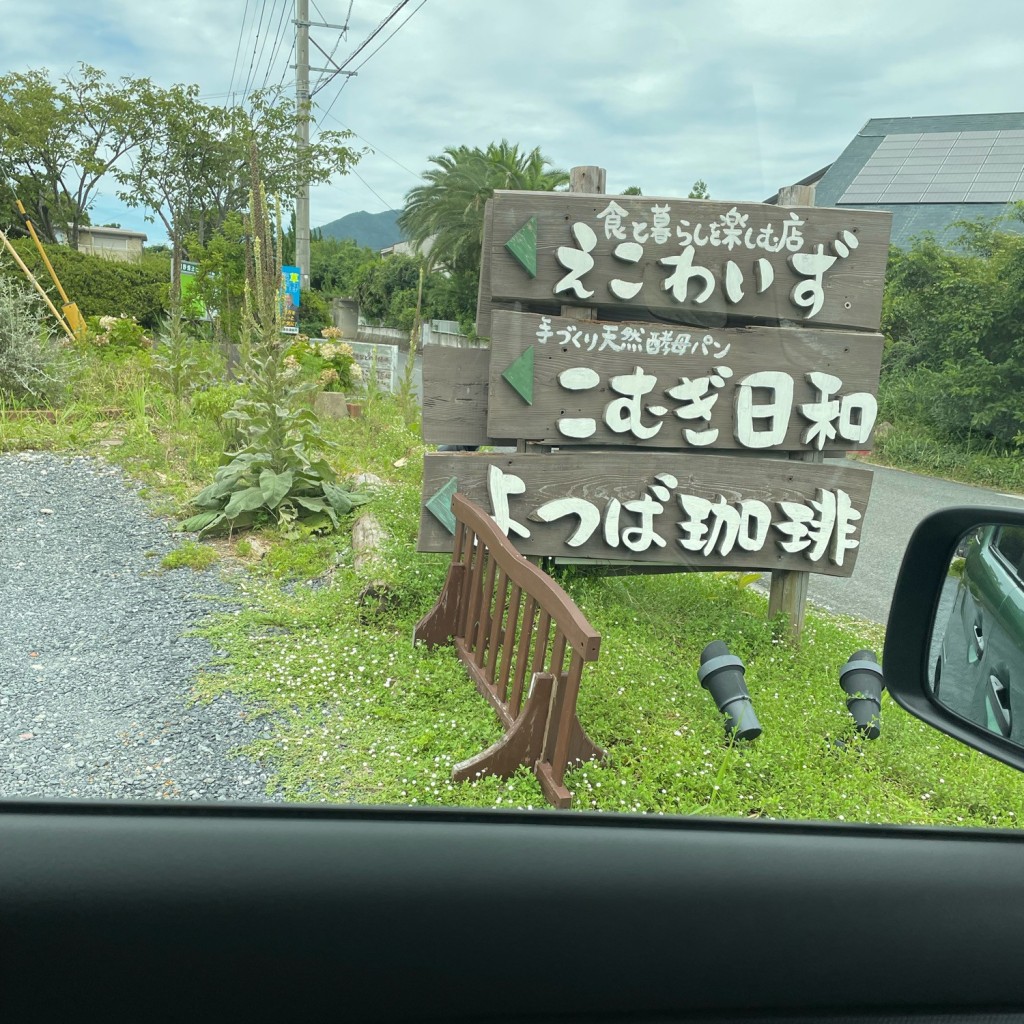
pixel 409 248
pixel 112 243
pixel 929 172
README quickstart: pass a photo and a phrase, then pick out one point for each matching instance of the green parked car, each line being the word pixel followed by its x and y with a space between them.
pixel 979 673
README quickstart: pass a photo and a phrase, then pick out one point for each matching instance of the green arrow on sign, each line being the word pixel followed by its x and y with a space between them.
pixel 523 245
pixel 440 505
pixel 520 376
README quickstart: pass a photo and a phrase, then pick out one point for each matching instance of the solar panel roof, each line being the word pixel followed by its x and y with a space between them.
pixel 942 167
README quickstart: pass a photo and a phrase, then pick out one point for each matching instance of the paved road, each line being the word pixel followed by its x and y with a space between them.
pixel 899 501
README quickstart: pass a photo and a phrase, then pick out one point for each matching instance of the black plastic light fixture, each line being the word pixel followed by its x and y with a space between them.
pixel 721 674
pixel 861 678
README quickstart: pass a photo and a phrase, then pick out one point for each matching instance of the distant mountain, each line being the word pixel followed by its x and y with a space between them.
pixel 375 230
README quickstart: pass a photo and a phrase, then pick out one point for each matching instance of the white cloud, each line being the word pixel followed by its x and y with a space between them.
pixel 746 94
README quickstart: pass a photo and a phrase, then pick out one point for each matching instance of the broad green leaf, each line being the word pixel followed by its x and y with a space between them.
pixel 243 501
pixel 207 497
pixel 317 521
pixel 275 486
pixel 203 521
pixel 313 504
pixel 226 484
pixel 338 497
pixel 344 501
pixel 322 468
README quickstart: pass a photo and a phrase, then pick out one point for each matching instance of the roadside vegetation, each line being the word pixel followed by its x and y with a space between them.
pixel 359 714
pixel 952 388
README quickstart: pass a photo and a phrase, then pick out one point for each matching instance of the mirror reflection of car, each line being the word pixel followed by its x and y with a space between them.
pixel 954 646
pixel 979 672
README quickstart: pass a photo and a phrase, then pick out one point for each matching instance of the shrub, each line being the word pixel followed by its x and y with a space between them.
pixel 213 402
pixel 116 335
pixel 99 286
pixel 953 352
pixel 331 362
pixel 314 313
pixel 33 367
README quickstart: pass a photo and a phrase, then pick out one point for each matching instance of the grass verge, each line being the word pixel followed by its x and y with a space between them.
pixel 914 447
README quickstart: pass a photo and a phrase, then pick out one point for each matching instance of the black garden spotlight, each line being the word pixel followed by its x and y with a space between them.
pixel 721 674
pixel 861 679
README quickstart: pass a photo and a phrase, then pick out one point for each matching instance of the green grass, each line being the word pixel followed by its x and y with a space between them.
pixel 190 555
pixel 914 447
pixel 356 713
pixel 360 715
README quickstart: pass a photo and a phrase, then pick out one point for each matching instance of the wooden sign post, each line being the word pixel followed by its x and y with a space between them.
pixel 673 372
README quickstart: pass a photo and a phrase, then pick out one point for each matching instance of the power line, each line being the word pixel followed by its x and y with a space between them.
pixel 387 205
pixel 369 39
pixel 255 47
pixel 363 46
pixel 375 148
pixel 263 47
pixel 238 48
pixel 278 40
pixel 392 36
pixel 287 64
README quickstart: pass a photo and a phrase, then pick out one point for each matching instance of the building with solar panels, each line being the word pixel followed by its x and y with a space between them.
pixel 929 172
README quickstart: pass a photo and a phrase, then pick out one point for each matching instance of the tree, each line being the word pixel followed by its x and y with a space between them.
pixel 57 141
pixel 193 167
pixel 220 273
pixel 335 264
pixel 954 355
pixel 632 190
pixel 449 207
pixel 699 190
pixel 387 286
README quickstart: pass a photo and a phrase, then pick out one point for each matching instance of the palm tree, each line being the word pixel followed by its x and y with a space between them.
pixel 449 207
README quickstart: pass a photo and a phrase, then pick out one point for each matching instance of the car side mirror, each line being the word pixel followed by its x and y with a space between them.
pixel 954 644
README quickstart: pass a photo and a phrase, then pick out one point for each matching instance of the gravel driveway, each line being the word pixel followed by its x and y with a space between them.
pixel 94 668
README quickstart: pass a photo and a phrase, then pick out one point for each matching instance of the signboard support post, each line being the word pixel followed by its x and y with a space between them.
pixel 787 591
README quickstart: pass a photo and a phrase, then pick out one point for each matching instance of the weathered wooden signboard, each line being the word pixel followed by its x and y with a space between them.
pixel 676 258
pixel 570 382
pixel 455 396
pixel 672 443
pixel 706 511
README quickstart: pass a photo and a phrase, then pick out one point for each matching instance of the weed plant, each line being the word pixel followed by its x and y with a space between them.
pixel 33 368
pixel 190 555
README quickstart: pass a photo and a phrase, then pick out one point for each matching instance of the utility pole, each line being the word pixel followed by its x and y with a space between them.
pixel 304 109
pixel 302 106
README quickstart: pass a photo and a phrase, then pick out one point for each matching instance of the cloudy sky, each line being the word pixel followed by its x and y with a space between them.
pixel 747 94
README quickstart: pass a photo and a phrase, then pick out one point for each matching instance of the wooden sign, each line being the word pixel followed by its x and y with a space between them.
pixel 698 511
pixel 584 382
pixel 676 259
pixel 455 396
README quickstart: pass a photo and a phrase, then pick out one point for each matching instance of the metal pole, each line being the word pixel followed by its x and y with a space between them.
pixel 71 312
pixel 302 107
pixel 35 284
